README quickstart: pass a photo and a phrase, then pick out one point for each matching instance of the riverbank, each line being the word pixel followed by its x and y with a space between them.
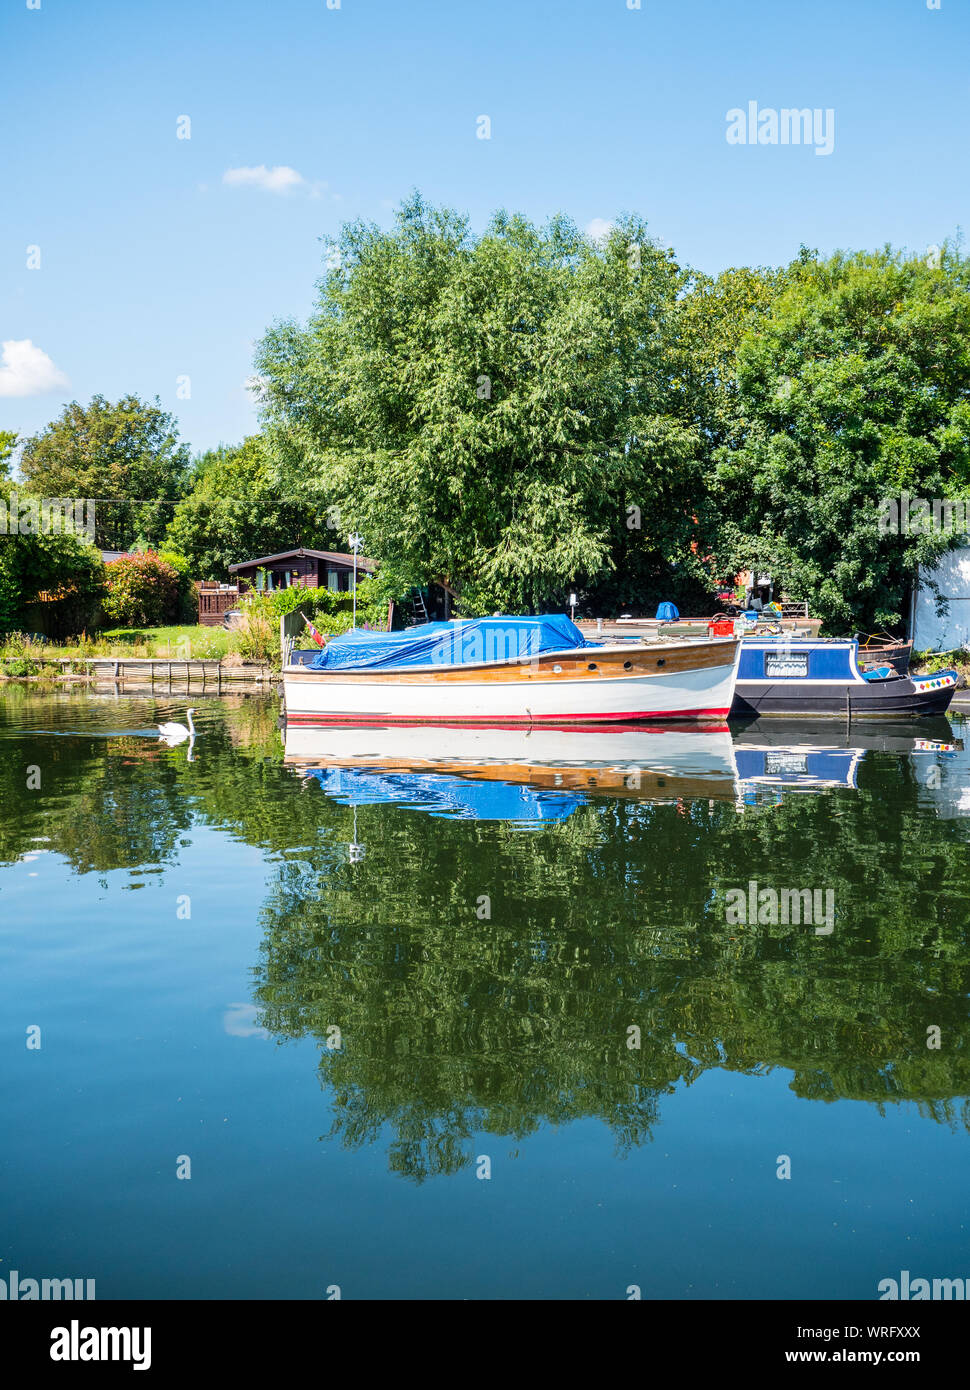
pixel 150 674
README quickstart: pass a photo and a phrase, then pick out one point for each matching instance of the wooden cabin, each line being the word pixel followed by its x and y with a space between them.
pixel 307 569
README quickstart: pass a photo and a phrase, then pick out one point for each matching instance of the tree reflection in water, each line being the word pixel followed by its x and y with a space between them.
pixel 452 1025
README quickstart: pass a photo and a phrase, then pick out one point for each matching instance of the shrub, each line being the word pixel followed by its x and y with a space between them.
pixel 143 590
pixel 19 668
pixel 258 634
pixel 188 597
pixel 323 602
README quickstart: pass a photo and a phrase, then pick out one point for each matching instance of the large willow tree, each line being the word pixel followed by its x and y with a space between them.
pixel 493 411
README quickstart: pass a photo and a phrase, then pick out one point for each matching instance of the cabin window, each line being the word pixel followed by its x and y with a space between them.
pixel 787 664
pixel 333 580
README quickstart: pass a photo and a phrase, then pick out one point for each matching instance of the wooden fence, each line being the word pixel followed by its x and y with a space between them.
pixel 216 602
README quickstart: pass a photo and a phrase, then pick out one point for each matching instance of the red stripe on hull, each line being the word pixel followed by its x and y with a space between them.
pixel 565 721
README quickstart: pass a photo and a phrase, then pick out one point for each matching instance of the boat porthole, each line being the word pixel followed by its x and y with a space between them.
pixel 628 665
pixel 591 666
pixel 557 668
pixel 661 661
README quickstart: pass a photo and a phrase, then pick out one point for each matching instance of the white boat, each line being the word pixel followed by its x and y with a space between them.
pixel 528 671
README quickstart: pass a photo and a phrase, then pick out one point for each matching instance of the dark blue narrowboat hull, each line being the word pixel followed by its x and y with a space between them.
pixel 884 698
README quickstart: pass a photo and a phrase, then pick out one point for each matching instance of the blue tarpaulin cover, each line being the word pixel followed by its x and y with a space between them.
pixel 451 644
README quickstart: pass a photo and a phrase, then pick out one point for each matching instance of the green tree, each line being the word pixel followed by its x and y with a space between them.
pixel 234 512
pixel 854 388
pixel 490 411
pixel 52 580
pixel 126 455
pixel 8 443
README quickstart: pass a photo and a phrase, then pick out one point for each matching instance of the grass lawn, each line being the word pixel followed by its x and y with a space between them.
pixel 181 643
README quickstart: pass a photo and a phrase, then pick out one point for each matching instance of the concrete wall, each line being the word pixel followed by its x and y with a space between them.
pixel 937 634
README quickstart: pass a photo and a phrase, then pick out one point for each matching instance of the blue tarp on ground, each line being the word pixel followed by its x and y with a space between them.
pixel 451 644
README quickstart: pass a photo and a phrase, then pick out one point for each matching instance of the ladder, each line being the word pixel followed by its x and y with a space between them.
pixel 419 609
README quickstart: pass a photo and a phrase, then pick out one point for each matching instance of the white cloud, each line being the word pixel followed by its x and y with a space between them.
pixel 598 228
pixel 257 386
pixel 26 370
pixel 280 179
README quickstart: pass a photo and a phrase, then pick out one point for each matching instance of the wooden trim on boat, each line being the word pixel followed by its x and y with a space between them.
pixel 589 664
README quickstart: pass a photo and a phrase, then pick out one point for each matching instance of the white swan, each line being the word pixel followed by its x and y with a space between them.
pixel 172 733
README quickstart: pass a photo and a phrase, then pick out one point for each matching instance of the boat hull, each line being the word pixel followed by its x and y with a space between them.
pixel 899 698
pixel 594 685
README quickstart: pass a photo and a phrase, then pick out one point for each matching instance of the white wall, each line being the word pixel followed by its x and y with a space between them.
pixel 931 633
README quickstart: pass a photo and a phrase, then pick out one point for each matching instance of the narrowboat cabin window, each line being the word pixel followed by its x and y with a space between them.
pixel 778 664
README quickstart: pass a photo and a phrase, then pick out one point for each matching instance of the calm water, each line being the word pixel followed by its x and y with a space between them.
pixel 189 934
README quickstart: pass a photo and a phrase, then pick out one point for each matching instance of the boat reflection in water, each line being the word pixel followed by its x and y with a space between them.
pixel 531 778
pixel 774 757
pixel 526 777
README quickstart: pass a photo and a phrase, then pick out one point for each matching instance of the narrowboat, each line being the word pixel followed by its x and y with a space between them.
pixel 507 670
pixel 779 676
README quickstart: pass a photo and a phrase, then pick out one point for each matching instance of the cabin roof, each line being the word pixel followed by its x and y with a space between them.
pixel 338 556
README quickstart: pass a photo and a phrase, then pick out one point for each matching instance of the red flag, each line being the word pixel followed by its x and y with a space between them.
pixel 320 641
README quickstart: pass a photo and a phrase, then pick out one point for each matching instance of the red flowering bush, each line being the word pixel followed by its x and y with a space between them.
pixel 143 590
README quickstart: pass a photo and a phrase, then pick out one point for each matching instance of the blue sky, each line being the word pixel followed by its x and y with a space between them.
pixel 154 268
